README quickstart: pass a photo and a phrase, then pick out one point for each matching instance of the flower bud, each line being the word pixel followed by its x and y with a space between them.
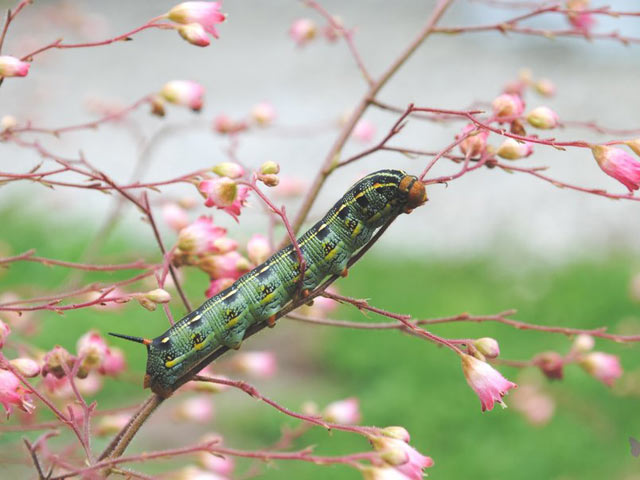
pixel 207 14
pixel 157 106
pixel 13 67
pixel 54 360
pixel 26 366
pixel 263 114
pixel 364 131
pixel 226 125
pixel 200 237
pixel 551 364
pixel 543 118
pixel 397 432
pixel 618 164
pixel 507 106
pixel 302 31
pixel 7 122
pixel 474 145
pixel 158 296
pixel 195 34
pixel 184 92
pixel 228 169
pixel 634 145
pixel 227 265
pixel 545 87
pixel 346 412
pixel 258 249
pixel 269 168
pixel 113 363
pixel 13 392
pixel 146 303
pixel 487 346
pixel 602 366
pixel 269 180
pixel 198 409
pixel 583 343
pixel 512 149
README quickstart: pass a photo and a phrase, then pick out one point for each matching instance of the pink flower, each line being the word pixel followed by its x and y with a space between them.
pixel 302 31
pixel 581 21
pixel 218 284
pixel 4 332
pixel 507 106
pixel 198 409
pixel 543 118
pixel 113 363
pixel 184 92
pixel 13 393
pixel 219 193
pixel 401 456
pixel 175 216
pixel 602 366
pixel 200 237
pixel 618 164
pixel 207 14
pixel 195 34
pixel 256 364
pixel 474 145
pixel 93 348
pixel 54 362
pixel 228 265
pixel 258 248
pixel 263 114
pixel 488 383
pixel 345 411
pixel 512 149
pixel 364 131
pixel 13 67
pixel 226 125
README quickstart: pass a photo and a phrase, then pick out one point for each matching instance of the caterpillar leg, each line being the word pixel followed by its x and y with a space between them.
pixel 233 338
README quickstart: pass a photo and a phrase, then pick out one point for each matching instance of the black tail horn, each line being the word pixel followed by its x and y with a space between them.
pixel 144 341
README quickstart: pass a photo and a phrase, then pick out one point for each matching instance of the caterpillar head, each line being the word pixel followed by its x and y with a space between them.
pixel 415 191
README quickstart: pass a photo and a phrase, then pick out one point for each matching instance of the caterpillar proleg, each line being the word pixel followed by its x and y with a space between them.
pixel 261 293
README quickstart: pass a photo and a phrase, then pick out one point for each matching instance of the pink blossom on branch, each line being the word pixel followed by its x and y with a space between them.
pixel 228 265
pixel 401 456
pixel 507 106
pixel 346 412
pixel 582 22
pixel 263 114
pixel 200 237
pixel 225 125
pixel 184 92
pixel 302 31
pixel 364 131
pixel 113 363
pixel 12 392
pixel 474 145
pixel 13 67
pixel 26 366
pixel 512 149
pixel 487 382
pixel 228 169
pixel 602 366
pixel 195 34
pixel 216 286
pixel 543 118
pixel 618 164
pixel 256 364
pixel 175 216
pixel 206 14
pixel 224 194
pixel 258 248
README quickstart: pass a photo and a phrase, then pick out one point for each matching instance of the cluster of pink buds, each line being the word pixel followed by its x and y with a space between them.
pixel 196 20
pixel 186 93
pixel 206 246
pixel 223 192
pixel 619 164
pixel 475 142
pixel 604 367
pixel 399 460
pixel 268 174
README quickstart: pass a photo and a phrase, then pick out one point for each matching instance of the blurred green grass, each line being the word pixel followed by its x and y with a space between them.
pixel 400 380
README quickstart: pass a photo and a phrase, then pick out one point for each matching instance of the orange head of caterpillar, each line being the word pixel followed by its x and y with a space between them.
pixel 415 190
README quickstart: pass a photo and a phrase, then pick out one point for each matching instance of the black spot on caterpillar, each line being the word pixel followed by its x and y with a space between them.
pixel 223 319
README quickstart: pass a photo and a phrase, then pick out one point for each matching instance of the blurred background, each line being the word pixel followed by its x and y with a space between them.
pixel 487 242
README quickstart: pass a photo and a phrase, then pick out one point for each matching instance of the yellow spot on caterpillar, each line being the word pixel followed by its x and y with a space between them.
pixel 265 269
pixel 322 226
pixel 267 299
pixel 200 346
pixel 232 292
pixel 357 230
pixel 172 363
pixel 165 339
pixel 232 322
pixel 331 254
pixel 194 319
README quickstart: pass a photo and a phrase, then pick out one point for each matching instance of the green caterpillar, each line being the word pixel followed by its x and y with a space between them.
pixel 257 296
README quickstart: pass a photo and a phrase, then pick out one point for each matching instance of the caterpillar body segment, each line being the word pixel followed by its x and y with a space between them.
pixel 257 296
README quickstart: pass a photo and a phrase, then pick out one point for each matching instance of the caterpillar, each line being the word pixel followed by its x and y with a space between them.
pixel 260 294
